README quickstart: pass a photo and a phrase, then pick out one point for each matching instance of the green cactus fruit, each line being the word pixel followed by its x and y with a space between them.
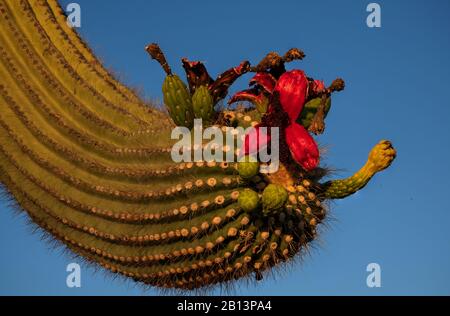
pixel 273 198
pixel 203 104
pixel 178 101
pixel 248 200
pixel 310 110
pixel 248 167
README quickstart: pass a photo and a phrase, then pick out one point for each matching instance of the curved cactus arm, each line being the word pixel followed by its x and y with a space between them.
pixel 380 157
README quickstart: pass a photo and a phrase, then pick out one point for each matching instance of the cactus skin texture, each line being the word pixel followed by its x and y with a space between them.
pixel 89 162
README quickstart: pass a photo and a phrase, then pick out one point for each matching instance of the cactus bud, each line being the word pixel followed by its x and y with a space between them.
pixel 202 103
pixel 273 198
pixel 178 101
pixel 248 200
pixel 248 167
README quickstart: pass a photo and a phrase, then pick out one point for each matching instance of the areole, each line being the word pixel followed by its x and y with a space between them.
pixel 226 144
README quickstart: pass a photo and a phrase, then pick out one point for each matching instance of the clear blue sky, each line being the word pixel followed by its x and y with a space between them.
pixel 398 78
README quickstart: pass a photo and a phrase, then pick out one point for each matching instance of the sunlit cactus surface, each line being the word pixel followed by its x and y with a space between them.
pixel 91 163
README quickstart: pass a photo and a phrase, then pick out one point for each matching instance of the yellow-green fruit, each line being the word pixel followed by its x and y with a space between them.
pixel 203 104
pixel 248 167
pixel 273 198
pixel 248 200
pixel 178 101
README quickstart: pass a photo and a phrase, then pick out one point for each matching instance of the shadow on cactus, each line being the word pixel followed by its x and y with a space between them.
pixel 91 164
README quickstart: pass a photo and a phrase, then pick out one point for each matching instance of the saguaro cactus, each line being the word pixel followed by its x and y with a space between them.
pixel 90 162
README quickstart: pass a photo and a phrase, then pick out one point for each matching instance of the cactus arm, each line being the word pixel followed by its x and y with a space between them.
pixel 379 159
pixel 89 162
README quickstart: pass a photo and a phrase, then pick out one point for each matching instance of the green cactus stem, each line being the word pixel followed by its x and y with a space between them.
pixel 379 159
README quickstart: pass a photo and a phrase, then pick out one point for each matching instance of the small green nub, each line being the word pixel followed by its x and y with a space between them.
pixel 203 104
pixel 248 200
pixel 248 167
pixel 273 198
